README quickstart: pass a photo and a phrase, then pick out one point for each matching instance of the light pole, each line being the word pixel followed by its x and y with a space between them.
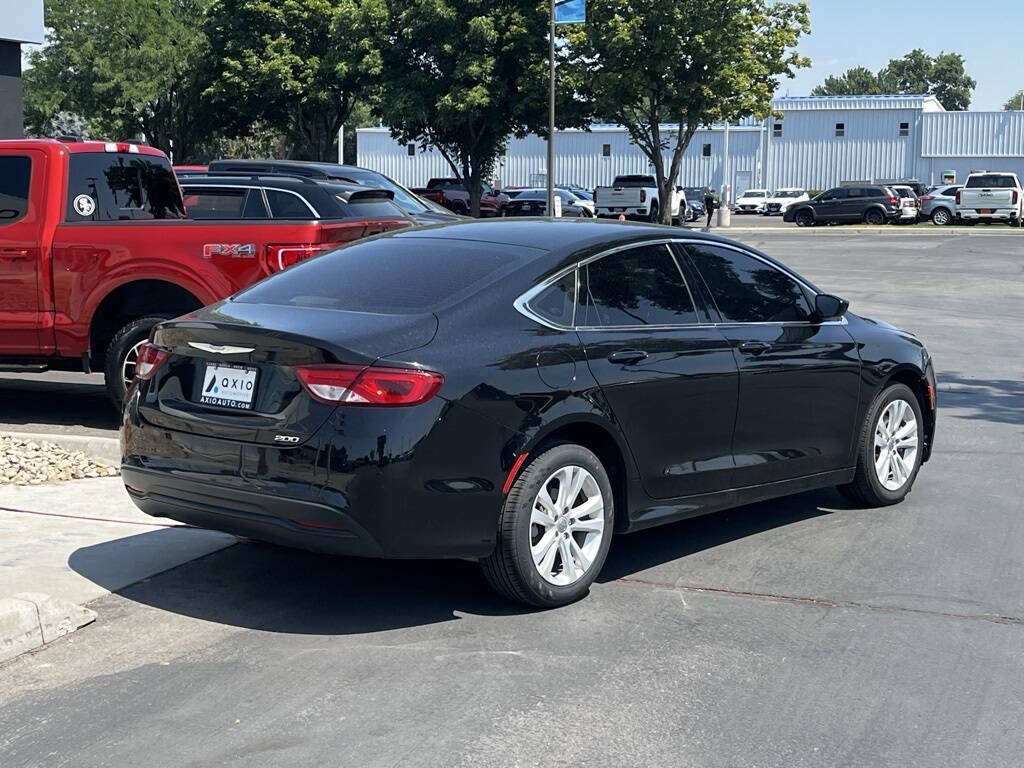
pixel 551 112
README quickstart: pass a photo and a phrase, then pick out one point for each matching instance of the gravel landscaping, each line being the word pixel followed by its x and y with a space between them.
pixel 28 462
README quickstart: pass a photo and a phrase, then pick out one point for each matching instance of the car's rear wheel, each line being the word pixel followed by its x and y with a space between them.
pixel 555 529
pixel 123 354
pixel 874 217
pixel 654 212
pixel 804 218
pixel 941 217
pixel 890 449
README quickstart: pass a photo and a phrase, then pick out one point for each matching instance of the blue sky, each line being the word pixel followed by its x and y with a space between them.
pixel 847 33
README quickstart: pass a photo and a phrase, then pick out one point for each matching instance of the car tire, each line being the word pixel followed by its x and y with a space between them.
pixel 941 217
pixel 118 369
pixel 570 557
pixel 874 217
pixel 879 479
pixel 804 218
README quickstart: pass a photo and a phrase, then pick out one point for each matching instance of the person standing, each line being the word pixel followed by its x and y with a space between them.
pixel 709 206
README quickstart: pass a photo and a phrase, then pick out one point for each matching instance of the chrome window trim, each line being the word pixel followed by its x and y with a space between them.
pixel 522 302
pixel 263 190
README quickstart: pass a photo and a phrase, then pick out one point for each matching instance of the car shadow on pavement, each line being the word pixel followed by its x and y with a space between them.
pixel 66 404
pixel 996 400
pixel 258 586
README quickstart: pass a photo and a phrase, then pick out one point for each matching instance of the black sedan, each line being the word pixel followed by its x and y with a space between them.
pixel 516 392
pixel 534 202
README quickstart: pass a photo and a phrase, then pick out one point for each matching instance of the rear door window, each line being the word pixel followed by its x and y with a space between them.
pixel 215 202
pixel 747 289
pixel 15 177
pixel 636 287
pixel 120 186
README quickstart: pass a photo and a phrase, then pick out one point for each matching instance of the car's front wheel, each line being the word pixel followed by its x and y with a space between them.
pixel 555 529
pixel 890 449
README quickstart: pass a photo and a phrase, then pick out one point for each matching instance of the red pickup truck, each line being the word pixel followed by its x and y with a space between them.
pixel 453 195
pixel 95 248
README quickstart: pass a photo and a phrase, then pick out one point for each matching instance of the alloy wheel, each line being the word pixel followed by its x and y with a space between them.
pixel 567 525
pixel 941 217
pixel 896 445
pixel 128 364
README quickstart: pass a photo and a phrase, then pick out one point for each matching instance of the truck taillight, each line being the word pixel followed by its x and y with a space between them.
pixel 281 257
pixel 958 197
pixel 121 146
pixel 1014 197
pixel 643 195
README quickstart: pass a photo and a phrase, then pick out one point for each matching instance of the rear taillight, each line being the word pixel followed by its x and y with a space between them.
pixel 373 385
pixel 958 197
pixel 150 358
pixel 643 195
pixel 1014 197
pixel 281 257
pixel 894 200
pixel 927 197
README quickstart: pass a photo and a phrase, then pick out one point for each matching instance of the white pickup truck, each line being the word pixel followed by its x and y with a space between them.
pixel 635 197
pixel 991 196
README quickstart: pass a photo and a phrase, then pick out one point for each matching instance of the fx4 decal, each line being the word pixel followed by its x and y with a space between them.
pixel 231 250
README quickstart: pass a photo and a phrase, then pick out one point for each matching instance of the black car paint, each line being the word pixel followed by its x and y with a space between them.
pixel 427 480
pixel 847 210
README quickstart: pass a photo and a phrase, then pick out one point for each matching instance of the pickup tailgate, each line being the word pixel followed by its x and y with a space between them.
pixel 620 197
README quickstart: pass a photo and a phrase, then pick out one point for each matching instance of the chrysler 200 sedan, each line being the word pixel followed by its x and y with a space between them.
pixel 516 392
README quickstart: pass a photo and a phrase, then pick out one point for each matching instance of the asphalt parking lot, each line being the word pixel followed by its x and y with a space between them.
pixel 798 632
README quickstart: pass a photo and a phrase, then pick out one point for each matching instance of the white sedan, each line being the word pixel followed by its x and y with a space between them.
pixel 752 201
pixel 777 204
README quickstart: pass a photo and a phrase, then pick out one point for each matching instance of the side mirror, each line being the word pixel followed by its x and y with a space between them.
pixel 829 307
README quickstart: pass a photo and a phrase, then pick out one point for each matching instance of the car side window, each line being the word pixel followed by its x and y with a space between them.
pixel 254 208
pixel 15 175
pixel 747 289
pixel 852 192
pixel 834 194
pixel 287 205
pixel 639 286
pixel 214 202
pixel 557 302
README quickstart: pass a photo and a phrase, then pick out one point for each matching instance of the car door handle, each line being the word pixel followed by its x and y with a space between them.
pixel 627 356
pixel 755 347
pixel 13 254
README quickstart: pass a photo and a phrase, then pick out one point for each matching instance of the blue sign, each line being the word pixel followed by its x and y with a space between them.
pixel 570 11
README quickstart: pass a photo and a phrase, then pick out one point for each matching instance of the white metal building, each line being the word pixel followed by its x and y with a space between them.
pixel 817 142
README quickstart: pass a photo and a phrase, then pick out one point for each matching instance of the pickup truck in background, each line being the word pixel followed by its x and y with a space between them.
pixel 453 195
pixel 635 197
pixel 990 196
pixel 95 249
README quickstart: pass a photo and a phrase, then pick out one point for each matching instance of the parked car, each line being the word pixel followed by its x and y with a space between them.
pixel 453 195
pixel 422 211
pixel 635 197
pixel 870 204
pixel 576 189
pixel 95 249
pixel 909 204
pixel 918 187
pixel 694 197
pixel 938 204
pixel 534 202
pixel 990 196
pixel 285 197
pixel 752 201
pixel 524 391
pixel 782 198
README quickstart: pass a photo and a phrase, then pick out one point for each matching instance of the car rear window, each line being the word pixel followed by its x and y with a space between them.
pixel 400 275
pixel 369 208
pixel 634 181
pixel 15 174
pixel 990 180
pixel 117 186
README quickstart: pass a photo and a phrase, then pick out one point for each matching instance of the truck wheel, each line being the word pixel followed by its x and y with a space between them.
pixel 654 212
pixel 123 353
pixel 941 217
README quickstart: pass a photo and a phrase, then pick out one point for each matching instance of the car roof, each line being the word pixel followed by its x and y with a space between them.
pixel 294 183
pixel 306 168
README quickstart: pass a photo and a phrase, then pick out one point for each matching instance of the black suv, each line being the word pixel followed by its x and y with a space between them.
pixel 283 197
pixel 870 204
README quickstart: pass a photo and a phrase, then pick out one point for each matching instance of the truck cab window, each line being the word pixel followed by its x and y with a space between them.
pixel 119 187
pixel 15 174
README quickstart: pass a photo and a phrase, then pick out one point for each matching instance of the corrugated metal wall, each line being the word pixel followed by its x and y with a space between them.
pixel 808 154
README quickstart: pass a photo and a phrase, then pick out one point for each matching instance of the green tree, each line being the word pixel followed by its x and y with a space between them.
pixel 120 70
pixel 296 65
pixel 461 76
pixel 942 76
pixel 648 63
pixel 858 81
pixel 1016 101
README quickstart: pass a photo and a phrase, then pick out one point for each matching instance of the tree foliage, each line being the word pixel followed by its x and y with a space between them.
pixel 648 63
pixel 461 76
pixel 120 70
pixel 293 64
pixel 942 76
pixel 1015 102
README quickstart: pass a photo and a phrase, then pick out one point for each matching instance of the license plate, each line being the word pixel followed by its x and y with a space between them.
pixel 229 386
pixel 986 210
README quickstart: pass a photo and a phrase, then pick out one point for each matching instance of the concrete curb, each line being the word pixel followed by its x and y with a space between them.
pixel 29 620
pixel 105 450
